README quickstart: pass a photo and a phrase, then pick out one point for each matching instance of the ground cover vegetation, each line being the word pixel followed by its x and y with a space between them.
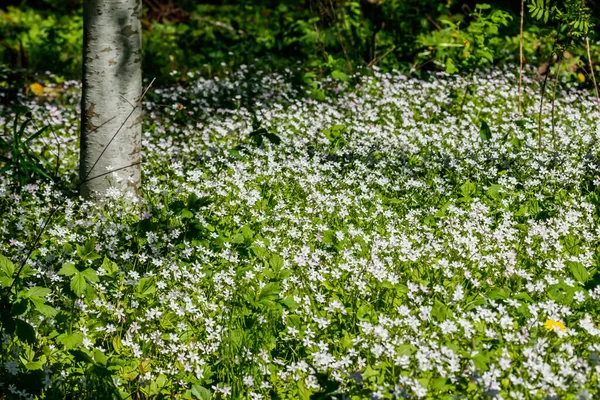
pixel 386 205
pixel 400 238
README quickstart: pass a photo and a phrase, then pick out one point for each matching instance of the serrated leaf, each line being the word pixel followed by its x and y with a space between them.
pixel 440 311
pixel 109 267
pixel 70 341
pixel 90 275
pixel 68 269
pixel 6 266
pixel 276 262
pixel 494 191
pixel 78 284
pixel 270 291
pixel 38 291
pixel 44 309
pixel 100 357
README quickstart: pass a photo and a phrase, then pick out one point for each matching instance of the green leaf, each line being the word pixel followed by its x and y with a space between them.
pixel 406 349
pixel 146 287
pixel 19 307
pixel 340 76
pixel 270 291
pixel 81 356
pixel 101 358
pixel 70 341
pixel 484 131
pixel 450 66
pixel 363 312
pixel 78 284
pixel 33 365
pixel 6 266
pixel 494 191
pixel 41 306
pixel 370 373
pixel 468 189
pixel 481 361
pixel 37 291
pixel 25 332
pixel 440 311
pixel 110 267
pixel 289 303
pixel 68 269
pixel 579 271
pixel 276 262
pixel 90 275
pixel 238 239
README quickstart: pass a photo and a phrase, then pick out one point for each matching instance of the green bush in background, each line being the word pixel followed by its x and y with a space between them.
pixel 332 35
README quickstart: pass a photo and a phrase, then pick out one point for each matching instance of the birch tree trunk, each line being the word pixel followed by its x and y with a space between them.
pixel 112 85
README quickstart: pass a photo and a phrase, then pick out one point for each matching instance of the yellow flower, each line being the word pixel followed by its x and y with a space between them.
pixel 552 324
pixel 37 89
pixel 467 43
pixel 581 77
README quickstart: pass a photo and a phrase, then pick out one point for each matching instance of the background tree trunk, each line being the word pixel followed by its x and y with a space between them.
pixel 112 86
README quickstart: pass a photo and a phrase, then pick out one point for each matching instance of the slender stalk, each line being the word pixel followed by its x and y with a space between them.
pixel 541 113
pixel 554 99
pixel 521 59
pixel 587 45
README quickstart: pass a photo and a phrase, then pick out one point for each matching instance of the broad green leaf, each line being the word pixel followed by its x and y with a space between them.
pixel 468 189
pixel 90 275
pixel 340 76
pixel 78 284
pixel 200 392
pixel 109 267
pixel 270 291
pixel 289 303
pixel 68 269
pixel 484 131
pixel 70 341
pixel 38 291
pixel 238 239
pixel 41 306
pixel 579 271
pixel 101 358
pixel 33 365
pixel 494 191
pixel 370 372
pixel 81 356
pixel 276 262
pixel 6 266
pixel 363 312
pixel 146 286
pixel 25 332
pixel 481 361
pixel 19 307
pixel 440 311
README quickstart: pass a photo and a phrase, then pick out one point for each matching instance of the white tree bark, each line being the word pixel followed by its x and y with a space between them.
pixel 112 86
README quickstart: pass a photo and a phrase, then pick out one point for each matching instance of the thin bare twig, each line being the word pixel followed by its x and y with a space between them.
pixel 377 59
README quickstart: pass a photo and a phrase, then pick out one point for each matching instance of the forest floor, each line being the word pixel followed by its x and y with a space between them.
pixel 382 238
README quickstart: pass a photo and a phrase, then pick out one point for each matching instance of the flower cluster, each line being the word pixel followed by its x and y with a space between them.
pixel 401 238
